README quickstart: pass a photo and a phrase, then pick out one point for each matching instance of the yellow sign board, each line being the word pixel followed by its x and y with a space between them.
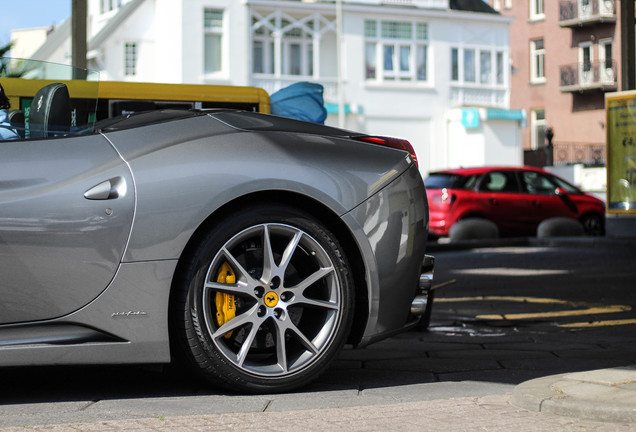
pixel 620 109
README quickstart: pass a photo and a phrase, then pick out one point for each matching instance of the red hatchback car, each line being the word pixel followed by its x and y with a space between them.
pixel 516 199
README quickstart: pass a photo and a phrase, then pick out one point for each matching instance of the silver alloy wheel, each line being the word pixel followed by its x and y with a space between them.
pixel 287 297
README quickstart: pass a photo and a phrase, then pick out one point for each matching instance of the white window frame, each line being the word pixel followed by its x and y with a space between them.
pixel 537 10
pixel 608 74
pixel 107 6
pixel 278 34
pixel 500 68
pixel 305 42
pixel 487 63
pixel 219 31
pixel 537 128
pixel 586 69
pixel 405 53
pixel 537 62
pixel 131 59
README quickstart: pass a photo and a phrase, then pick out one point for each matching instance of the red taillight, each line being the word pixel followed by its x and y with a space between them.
pixel 396 143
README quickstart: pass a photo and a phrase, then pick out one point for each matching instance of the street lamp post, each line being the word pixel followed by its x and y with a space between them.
pixel 78 38
pixel 341 104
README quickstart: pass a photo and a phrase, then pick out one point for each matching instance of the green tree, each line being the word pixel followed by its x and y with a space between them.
pixel 3 62
pixel 5 49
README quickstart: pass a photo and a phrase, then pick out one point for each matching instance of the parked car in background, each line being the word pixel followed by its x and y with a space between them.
pixel 515 199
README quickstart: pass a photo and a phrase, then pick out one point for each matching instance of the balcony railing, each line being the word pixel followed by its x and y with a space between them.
pixel 576 13
pixel 570 153
pixel 598 75
pixel 484 97
pixel 566 153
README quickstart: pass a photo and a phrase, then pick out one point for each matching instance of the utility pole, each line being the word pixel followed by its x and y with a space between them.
pixel 339 40
pixel 628 46
pixel 78 38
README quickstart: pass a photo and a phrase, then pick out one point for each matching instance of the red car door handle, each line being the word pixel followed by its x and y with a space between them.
pixel 536 203
pixel 493 201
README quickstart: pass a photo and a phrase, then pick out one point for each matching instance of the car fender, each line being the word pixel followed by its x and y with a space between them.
pixel 213 164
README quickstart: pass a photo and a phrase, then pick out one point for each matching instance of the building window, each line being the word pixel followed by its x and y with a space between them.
pixel 370 61
pixel 296 47
pixel 297 50
pixel 537 125
pixel 586 74
pixel 455 64
pixel 485 67
pixel 500 68
pixel 536 10
pixel 475 66
pixel 130 59
pixel 605 52
pixel 106 6
pixel 537 61
pixel 469 65
pixel 212 40
pixel 608 74
pixel 399 49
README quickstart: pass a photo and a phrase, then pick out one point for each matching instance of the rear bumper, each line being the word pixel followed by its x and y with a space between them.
pixel 391 228
pixel 421 305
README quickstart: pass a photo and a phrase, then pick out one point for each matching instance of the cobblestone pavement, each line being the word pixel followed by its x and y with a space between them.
pixel 488 413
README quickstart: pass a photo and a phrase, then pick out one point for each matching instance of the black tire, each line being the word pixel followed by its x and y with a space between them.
pixel 593 224
pixel 292 298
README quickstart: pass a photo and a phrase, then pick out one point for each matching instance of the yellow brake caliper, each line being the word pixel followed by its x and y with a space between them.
pixel 225 303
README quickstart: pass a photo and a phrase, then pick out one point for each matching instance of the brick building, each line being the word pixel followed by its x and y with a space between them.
pixel 565 55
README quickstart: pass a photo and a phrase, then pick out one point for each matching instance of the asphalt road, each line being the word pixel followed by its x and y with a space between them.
pixel 503 316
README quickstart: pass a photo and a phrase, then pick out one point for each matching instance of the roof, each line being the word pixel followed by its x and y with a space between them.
pixel 472 6
pixel 63 32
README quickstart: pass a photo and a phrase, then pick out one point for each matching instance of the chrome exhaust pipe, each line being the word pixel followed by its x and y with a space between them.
pixel 418 306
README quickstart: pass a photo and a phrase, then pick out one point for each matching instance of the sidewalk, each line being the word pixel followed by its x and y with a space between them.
pixel 603 395
pixel 584 407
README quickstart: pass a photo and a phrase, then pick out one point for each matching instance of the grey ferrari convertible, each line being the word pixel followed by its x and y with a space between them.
pixel 246 247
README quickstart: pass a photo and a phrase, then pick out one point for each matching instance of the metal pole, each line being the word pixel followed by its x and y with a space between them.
pixel 628 46
pixel 78 38
pixel 341 103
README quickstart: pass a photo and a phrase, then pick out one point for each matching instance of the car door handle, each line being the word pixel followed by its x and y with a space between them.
pixel 536 203
pixel 110 189
pixel 493 201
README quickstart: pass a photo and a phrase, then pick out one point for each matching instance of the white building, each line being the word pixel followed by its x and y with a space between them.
pixel 26 41
pixel 435 72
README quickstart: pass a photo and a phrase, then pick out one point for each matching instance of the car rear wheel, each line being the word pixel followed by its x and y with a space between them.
pixel 265 302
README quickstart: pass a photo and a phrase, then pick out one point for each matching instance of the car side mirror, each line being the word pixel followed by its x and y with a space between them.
pixel 561 191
